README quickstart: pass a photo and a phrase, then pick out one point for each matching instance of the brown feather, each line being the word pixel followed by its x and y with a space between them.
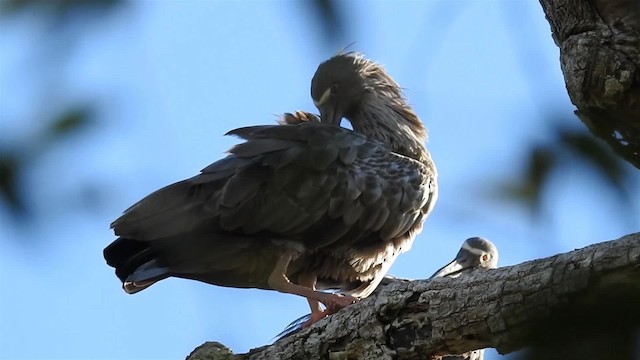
pixel 340 204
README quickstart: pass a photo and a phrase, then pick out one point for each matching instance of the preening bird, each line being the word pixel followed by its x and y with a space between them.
pixel 475 253
pixel 295 208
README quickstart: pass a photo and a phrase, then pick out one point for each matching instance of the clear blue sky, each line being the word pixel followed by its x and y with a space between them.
pixel 173 76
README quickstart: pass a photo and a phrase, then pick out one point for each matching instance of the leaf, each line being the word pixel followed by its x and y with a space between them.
pixel 528 189
pixel 70 121
pixel 60 7
pixel 596 155
pixel 10 167
pixel 329 16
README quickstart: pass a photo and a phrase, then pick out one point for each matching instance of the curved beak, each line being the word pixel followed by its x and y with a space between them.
pixel 329 114
pixel 453 268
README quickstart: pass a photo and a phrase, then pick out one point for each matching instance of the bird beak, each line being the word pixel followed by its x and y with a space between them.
pixel 329 114
pixel 450 269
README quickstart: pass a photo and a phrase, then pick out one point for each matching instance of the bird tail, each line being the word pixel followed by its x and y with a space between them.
pixel 293 327
pixel 135 264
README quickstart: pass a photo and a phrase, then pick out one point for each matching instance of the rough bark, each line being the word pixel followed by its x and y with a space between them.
pixel 599 43
pixel 502 308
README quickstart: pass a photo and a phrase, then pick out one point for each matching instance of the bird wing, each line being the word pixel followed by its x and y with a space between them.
pixel 471 355
pixel 299 182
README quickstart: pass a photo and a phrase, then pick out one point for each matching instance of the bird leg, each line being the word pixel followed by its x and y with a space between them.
pixel 333 302
pixel 317 313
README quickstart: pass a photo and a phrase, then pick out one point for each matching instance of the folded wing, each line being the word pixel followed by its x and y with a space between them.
pixel 310 185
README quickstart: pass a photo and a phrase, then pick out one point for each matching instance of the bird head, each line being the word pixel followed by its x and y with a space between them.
pixel 475 253
pixel 338 86
pixel 354 87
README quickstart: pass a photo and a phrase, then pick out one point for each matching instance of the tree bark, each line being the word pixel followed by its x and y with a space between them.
pixel 503 308
pixel 599 43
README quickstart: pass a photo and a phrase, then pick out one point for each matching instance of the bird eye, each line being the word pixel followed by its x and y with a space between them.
pixel 334 87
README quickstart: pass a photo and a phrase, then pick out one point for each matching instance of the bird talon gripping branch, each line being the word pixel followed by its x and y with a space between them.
pixel 475 253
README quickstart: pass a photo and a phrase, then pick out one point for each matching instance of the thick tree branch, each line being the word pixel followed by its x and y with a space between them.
pixel 599 43
pixel 493 308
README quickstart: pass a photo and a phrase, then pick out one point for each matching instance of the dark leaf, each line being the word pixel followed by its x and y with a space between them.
pixel 599 157
pixel 10 166
pixel 56 7
pixel 328 14
pixel 70 121
pixel 529 187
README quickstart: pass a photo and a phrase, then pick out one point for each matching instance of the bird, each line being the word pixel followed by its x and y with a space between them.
pixel 295 208
pixel 474 254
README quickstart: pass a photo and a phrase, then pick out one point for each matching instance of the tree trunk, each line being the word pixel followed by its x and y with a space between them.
pixel 599 43
pixel 507 308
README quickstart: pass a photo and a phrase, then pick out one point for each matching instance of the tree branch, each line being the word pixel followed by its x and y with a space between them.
pixel 599 43
pixel 493 308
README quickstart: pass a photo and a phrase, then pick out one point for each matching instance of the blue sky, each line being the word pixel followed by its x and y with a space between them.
pixel 173 76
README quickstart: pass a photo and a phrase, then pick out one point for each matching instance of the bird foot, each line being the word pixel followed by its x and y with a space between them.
pixel 314 317
pixel 335 302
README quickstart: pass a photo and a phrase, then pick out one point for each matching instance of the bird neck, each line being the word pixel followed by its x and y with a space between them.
pixel 393 122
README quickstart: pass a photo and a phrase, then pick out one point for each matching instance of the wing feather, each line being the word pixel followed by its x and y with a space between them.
pixel 373 190
pixel 381 219
pixel 259 147
pixel 348 154
pixel 313 183
pixel 353 212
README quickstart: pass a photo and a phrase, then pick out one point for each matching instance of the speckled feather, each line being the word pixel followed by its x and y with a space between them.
pixel 337 206
pixel 289 185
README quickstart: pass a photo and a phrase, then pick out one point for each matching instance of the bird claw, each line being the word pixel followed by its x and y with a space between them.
pixel 298 117
pixel 314 317
pixel 335 302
